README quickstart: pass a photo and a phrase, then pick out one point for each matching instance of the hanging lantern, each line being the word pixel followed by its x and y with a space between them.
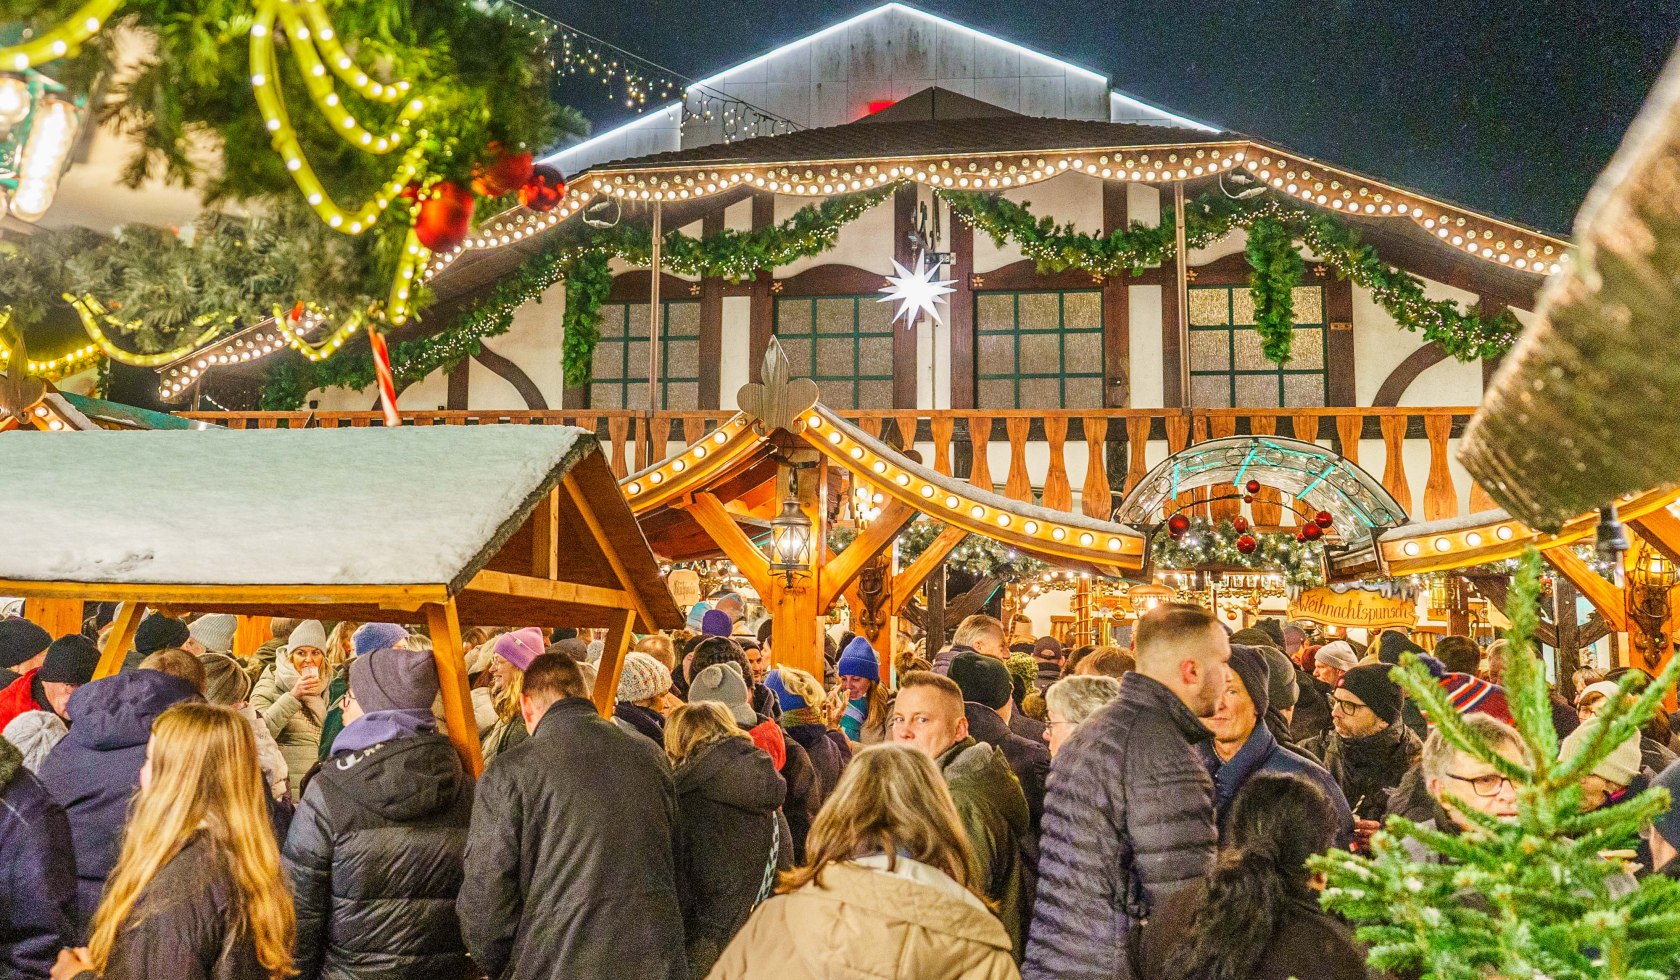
pixel 1324 519
pixel 790 540
pixel 542 190
pixel 445 216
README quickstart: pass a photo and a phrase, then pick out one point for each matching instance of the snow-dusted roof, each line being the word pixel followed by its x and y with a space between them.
pixel 354 506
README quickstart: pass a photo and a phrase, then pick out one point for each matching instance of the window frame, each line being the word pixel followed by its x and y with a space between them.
pixel 1279 371
pixel 810 335
pixel 1061 331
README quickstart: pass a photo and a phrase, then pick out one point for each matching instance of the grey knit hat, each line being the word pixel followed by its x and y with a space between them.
pixel 723 683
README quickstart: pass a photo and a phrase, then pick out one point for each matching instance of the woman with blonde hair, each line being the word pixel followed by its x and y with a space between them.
pixel 730 834
pixel 197 891
pixel 885 890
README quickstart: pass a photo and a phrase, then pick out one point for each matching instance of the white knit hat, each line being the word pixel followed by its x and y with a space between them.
pixel 643 677
pixel 1619 767
pixel 214 632
pixel 1337 654
pixel 34 733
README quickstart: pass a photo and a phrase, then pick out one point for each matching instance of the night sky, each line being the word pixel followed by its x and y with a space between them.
pixel 1512 108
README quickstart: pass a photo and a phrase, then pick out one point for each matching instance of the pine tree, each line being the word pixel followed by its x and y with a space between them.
pixel 1533 897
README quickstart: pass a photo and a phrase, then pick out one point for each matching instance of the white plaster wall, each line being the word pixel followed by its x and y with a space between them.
pixel 1144 346
pixel 734 369
pixel 1379 345
pixel 532 342
pixel 488 390
pixel 866 243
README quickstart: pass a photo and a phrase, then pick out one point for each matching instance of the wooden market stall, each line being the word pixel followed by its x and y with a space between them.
pixel 444 526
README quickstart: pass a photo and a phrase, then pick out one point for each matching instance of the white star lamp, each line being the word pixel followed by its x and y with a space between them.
pixel 917 291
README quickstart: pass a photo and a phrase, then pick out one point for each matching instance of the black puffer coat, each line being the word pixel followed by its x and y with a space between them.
pixel 374 856
pixel 1128 821
pixel 728 793
pixel 37 872
pixel 1368 768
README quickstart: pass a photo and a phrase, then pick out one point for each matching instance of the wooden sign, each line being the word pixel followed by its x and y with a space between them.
pixel 684 584
pixel 1354 608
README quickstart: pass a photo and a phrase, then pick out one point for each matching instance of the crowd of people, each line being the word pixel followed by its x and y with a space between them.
pixel 996 810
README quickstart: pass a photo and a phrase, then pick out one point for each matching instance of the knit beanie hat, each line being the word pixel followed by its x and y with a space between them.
pixel 158 631
pixel 794 688
pixel 214 632
pixel 1336 654
pixel 225 682
pixel 34 733
pixel 859 660
pixel 1047 648
pixel 1273 628
pixel 309 633
pixel 697 615
pixel 1605 689
pixel 1392 644
pixel 1249 664
pixel 592 653
pixel 1470 694
pixel 20 640
pixel 1619 767
pixel 643 677
pixel 1370 683
pixel 1282 689
pixel 1668 823
pixel 983 680
pixel 723 683
pixel 572 649
pixel 376 636
pixel 72 659
pixel 394 680
pixel 716 622
pixel 520 647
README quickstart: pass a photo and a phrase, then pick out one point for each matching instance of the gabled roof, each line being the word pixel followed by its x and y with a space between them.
pixel 371 523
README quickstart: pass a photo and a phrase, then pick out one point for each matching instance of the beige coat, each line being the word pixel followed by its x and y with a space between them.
pixel 869 924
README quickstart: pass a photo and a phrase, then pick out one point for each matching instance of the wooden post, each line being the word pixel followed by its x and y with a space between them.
pixel 1566 653
pixel 612 664
pixel 444 624
pixel 793 600
pixel 60 617
pixel 934 622
pixel 251 633
pixel 1458 608
pixel 119 639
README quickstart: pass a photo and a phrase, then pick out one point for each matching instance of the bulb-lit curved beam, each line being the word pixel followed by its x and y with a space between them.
pixel 1052 535
pixel 697 466
pixel 1494 535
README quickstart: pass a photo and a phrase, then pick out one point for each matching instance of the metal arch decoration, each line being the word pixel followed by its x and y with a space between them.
pixel 1324 479
pixel 1059 536
pixel 776 402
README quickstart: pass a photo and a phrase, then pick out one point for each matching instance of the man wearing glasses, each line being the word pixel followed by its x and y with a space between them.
pixel 1367 749
pixel 1458 781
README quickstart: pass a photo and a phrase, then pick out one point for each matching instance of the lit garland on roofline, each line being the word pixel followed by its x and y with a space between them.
pixel 1204 543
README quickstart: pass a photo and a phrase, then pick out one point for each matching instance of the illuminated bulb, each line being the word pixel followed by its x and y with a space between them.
pixel 814 421
pixel 977 512
pixel 834 437
pixel 1442 544
pixel 1031 527
pixel 1503 532
pixel 699 452
pixel 857 452
pixel 1058 533
pixel 1473 539
pixel 1411 549
pixel 1086 539
pixel 1113 544
pixel 677 466
pixel 904 479
pixel 952 501
pixel 879 467
pixel 927 492
pixel 1003 520
pixel 656 478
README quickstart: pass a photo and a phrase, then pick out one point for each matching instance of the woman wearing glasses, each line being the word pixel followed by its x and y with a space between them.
pixel 1459 781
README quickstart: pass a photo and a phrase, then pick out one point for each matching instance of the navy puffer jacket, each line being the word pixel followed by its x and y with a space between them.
pixel 94 771
pixel 1128 821
pixel 37 872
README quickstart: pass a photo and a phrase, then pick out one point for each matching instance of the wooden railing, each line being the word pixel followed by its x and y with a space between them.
pixel 1036 453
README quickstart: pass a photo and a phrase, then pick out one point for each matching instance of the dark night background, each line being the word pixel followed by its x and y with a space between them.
pixel 1511 108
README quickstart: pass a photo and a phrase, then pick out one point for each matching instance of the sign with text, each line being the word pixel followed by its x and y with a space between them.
pixel 1354 608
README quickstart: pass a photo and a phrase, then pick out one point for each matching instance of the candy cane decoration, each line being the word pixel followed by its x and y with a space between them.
pixel 387 387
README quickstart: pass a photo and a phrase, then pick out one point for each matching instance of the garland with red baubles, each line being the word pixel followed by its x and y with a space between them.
pixel 1197 542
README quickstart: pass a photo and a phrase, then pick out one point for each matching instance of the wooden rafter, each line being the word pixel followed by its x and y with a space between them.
pixel 839 571
pixel 444 626
pixel 1610 601
pixel 586 510
pixel 1662 529
pixel 119 639
pixel 611 666
pixel 911 577
pixel 716 521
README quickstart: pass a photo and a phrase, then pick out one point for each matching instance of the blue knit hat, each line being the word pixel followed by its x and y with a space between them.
pixel 859 660
pixel 716 622
pixel 376 636
pixel 778 685
pixel 696 614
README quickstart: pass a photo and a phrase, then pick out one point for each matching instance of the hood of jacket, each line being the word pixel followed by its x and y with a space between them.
pixel 768 735
pixel 285 672
pixel 1147 692
pixel 884 913
pixel 984 766
pixel 1230 775
pixel 401 780
pixel 733 772
pixel 117 712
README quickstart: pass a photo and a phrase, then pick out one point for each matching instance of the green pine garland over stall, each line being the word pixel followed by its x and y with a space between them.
pixel 1205 543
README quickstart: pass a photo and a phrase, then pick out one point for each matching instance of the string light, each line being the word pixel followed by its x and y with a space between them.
pixel 92 312
pixel 60 41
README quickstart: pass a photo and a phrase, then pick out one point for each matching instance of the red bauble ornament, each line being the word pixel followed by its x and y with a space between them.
pixel 445 216
pixel 1301 537
pixel 1177 525
pixel 1324 519
pixel 507 172
pixel 1312 532
pixel 1239 524
pixel 543 190
pixel 1252 486
pixel 1248 498
pixel 410 192
pixel 1246 544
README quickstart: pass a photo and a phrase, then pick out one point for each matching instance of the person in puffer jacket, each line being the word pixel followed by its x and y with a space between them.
pixel 290 699
pixel 375 851
pixel 94 771
pixel 37 873
pixel 1129 812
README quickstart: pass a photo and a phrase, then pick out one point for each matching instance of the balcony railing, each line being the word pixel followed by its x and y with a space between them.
pixel 1065 459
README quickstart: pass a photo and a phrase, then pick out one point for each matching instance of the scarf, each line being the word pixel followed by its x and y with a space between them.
pixel 794 717
pixel 857 711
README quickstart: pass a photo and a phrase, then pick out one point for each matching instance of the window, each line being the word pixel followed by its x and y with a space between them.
pixel 844 344
pixel 621 357
pixel 1228 368
pixel 1038 350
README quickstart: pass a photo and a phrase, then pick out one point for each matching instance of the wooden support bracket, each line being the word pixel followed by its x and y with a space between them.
pixel 612 665
pixel 911 577
pixel 444 625
pixel 839 571
pixel 1610 601
pixel 119 640
pixel 715 520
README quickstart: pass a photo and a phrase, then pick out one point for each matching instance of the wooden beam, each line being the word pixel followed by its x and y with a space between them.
pixel 612 665
pixel 444 625
pixel 599 533
pixel 119 639
pixel 877 537
pixel 390 596
pixel 714 519
pixel 545 536
pixel 526 587
pixel 1610 601
pixel 1662 529
pixel 60 617
pixel 908 580
pixel 251 633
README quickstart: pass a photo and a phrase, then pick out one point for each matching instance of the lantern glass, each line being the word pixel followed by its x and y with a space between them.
pixel 790 539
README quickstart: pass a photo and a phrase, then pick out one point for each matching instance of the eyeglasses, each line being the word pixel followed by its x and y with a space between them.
pixel 1486 786
pixel 1347 705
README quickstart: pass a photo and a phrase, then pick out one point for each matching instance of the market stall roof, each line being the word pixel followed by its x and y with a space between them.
pixel 517 525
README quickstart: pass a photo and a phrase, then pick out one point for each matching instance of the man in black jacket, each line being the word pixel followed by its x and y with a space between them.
pixel 987 706
pixel 374 853
pixel 1368 749
pixel 1129 816
pixel 570 869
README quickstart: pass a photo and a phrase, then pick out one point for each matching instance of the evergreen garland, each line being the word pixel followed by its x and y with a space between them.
pixel 581 256
pixel 1532 897
pixel 1208 544
pixel 1278 268
pixel 1466 335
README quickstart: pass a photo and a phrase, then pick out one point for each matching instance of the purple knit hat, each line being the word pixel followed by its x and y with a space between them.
pixel 520 647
